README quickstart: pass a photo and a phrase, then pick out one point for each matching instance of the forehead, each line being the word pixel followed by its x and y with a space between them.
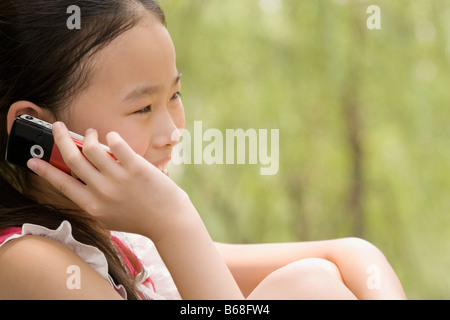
pixel 142 56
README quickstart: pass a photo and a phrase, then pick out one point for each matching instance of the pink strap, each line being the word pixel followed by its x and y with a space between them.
pixel 123 248
pixel 5 234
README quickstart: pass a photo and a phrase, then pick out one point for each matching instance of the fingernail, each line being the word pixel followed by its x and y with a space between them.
pixel 57 126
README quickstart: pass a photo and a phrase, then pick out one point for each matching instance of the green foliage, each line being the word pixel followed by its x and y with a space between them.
pixel 363 116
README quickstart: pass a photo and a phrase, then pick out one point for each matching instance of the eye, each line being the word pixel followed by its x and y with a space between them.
pixel 145 110
pixel 176 96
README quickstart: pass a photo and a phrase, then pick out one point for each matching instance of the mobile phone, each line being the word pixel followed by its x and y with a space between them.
pixel 33 138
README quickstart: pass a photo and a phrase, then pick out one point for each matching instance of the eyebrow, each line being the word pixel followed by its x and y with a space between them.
pixel 147 90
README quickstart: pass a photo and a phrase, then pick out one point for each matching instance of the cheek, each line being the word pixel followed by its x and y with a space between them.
pixel 79 122
pixel 136 140
pixel 178 118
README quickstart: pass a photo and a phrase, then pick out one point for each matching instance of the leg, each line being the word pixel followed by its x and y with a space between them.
pixel 306 279
pixel 364 269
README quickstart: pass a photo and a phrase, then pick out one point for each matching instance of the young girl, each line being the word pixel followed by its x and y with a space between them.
pixel 115 80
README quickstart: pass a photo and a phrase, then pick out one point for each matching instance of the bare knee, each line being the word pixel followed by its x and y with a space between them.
pixel 313 265
pixel 307 273
pixel 354 248
pixel 304 279
pixel 357 244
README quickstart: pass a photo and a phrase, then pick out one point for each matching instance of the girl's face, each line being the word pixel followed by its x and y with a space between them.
pixel 134 90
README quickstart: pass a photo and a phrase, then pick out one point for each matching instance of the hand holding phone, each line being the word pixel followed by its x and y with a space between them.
pixel 125 193
pixel 33 138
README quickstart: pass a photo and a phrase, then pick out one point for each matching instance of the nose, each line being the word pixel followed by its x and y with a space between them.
pixel 167 134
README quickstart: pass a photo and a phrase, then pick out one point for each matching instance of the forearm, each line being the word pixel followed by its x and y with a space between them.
pixel 194 262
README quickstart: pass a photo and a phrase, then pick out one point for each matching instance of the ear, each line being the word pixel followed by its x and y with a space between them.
pixel 25 107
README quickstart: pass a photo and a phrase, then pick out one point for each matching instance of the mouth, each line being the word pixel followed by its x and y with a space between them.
pixel 162 166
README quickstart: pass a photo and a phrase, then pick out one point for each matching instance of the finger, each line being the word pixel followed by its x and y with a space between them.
pixel 67 185
pixel 122 151
pixel 72 156
pixel 96 154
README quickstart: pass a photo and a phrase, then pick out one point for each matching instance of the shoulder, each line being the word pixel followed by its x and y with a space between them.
pixel 34 267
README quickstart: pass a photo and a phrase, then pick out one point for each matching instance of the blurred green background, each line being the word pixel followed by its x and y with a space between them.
pixel 363 116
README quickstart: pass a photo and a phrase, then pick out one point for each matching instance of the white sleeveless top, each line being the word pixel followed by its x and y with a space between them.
pixel 161 286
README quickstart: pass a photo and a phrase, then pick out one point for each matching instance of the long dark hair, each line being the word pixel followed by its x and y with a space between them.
pixel 45 62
